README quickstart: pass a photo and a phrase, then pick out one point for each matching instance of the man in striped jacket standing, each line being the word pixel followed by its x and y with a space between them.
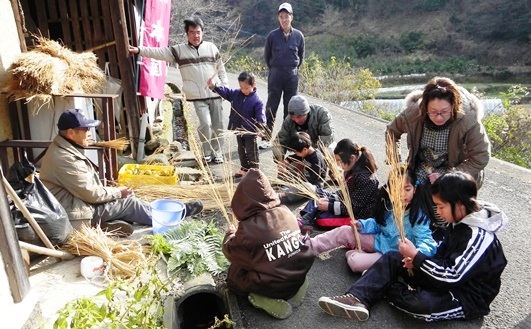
pixel 198 62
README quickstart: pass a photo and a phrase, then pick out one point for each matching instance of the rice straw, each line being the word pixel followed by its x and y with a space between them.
pixel 344 195
pixel 123 258
pixel 395 187
pixel 118 144
pixel 228 182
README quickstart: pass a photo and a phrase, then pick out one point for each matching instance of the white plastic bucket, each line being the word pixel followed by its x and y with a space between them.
pixel 166 214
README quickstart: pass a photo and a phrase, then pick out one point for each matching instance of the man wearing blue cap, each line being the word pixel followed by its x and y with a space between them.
pixel 72 179
pixel 283 53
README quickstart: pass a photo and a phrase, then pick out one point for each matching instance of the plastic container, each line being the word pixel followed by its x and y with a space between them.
pixel 91 267
pixel 136 174
pixel 166 214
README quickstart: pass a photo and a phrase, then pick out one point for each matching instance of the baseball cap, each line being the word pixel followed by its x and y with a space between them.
pixel 298 105
pixel 285 6
pixel 71 119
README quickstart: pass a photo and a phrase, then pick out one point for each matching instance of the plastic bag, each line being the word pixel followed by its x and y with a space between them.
pixel 42 205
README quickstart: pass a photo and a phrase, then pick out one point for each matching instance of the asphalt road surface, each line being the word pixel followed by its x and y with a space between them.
pixel 506 185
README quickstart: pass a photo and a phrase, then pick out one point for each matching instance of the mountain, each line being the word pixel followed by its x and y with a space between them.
pixel 479 35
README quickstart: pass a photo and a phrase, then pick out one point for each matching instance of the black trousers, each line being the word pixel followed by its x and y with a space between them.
pixel 388 278
pixel 248 151
pixel 280 80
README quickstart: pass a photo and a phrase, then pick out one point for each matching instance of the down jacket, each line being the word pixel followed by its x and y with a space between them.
pixel 266 254
pixel 468 143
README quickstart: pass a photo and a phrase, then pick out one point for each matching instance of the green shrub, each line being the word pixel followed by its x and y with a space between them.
pixel 509 132
pixel 246 63
pixel 336 80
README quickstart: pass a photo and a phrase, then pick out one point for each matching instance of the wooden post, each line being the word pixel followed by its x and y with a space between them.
pixel 19 284
pixel 119 25
pixel 16 12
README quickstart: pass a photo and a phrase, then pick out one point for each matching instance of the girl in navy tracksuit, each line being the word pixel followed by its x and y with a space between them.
pixel 247 116
pixel 459 282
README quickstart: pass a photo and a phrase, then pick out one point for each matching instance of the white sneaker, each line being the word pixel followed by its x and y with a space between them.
pixel 265 144
pixel 218 158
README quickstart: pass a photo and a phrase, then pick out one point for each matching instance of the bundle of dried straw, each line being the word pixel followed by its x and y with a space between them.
pixel 395 187
pixel 217 194
pixel 291 177
pixel 118 144
pixel 186 193
pixel 123 258
pixel 344 194
pixel 51 69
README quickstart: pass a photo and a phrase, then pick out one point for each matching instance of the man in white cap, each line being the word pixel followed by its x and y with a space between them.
pixel 284 54
pixel 72 179
pixel 303 117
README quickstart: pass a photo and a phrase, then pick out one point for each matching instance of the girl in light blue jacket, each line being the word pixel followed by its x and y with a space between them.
pixel 379 235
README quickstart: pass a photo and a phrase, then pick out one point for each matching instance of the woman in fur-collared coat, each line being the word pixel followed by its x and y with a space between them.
pixel 444 131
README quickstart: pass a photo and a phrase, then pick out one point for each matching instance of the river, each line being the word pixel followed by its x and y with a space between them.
pixel 490 105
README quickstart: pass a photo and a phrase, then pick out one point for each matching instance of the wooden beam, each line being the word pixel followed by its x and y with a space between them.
pixel 17 12
pixel 45 251
pixel 19 284
pixel 126 70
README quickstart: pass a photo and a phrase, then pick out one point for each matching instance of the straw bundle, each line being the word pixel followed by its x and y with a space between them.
pixel 123 258
pixel 344 195
pixel 395 187
pixel 51 69
pixel 292 178
pixel 118 144
pixel 186 193
pixel 228 182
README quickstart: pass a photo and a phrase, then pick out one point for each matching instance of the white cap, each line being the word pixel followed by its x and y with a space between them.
pixel 285 6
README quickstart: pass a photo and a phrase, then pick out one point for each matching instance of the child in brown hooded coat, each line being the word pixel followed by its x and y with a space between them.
pixel 269 263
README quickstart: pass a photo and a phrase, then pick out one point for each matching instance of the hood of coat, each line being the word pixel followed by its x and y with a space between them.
pixel 489 218
pixel 254 194
pixel 471 105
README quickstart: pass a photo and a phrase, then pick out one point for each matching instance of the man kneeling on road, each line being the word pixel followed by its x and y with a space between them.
pixel 315 120
pixel 72 179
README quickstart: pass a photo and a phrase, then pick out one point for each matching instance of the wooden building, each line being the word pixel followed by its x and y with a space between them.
pixel 105 27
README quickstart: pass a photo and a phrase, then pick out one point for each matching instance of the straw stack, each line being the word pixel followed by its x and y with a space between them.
pixel 123 258
pixel 51 69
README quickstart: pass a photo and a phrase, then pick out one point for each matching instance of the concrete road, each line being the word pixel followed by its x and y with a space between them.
pixel 506 185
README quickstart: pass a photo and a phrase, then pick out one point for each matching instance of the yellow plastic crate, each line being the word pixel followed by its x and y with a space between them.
pixel 138 174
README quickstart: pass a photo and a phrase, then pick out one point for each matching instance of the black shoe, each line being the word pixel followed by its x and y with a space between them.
pixel 118 227
pixel 193 208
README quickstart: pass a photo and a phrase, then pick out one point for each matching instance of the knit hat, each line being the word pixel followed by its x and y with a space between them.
pixel 298 105
pixel 285 6
pixel 71 119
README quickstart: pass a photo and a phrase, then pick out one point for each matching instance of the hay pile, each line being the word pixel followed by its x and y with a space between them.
pixel 123 258
pixel 51 69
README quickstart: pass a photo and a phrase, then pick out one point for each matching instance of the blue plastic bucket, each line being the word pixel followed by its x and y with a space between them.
pixel 166 214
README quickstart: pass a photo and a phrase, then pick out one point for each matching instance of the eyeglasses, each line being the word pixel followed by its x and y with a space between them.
pixel 443 114
pixel 82 128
